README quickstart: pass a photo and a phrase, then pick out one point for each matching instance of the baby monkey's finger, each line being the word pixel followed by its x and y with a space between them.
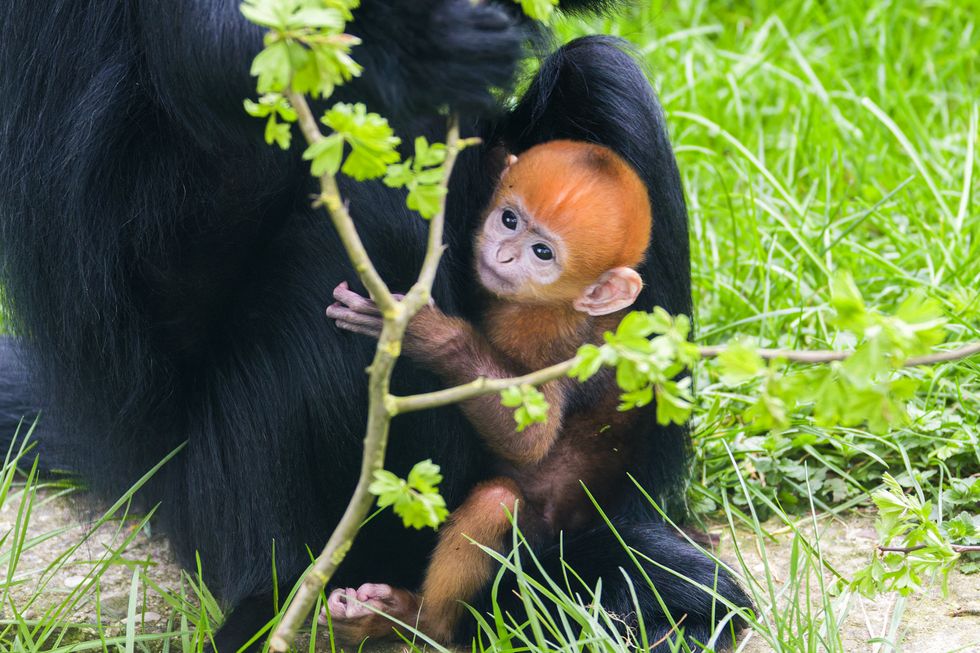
pixel 348 297
pixel 341 312
pixel 359 328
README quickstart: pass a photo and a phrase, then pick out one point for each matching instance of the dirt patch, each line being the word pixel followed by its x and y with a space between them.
pixel 67 562
pixel 930 623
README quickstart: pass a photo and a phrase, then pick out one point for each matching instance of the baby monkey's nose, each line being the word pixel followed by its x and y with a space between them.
pixel 506 255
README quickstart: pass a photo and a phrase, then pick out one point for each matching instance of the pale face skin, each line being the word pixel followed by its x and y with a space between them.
pixel 517 258
pixel 514 253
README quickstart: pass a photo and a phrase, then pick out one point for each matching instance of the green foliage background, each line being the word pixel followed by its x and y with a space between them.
pixel 812 137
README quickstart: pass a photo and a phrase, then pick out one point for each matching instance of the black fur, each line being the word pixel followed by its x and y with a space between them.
pixel 169 276
pixel 19 407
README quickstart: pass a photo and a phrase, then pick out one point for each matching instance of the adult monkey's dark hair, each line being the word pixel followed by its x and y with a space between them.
pixel 168 276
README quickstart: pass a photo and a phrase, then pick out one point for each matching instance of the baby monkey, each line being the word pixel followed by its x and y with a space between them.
pixel 557 252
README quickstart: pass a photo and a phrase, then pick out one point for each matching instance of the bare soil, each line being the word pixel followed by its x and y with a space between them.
pixel 929 622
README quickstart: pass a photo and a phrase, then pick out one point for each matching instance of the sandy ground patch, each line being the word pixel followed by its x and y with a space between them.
pixel 930 622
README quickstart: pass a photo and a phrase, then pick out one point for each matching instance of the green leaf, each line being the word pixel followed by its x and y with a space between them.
pixel 278 133
pixel 425 476
pixel 869 359
pixel 322 18
pixel 417 500
pixel 269 104
pixel 674 402
pixel 327 65
pixel 256 109
pixel 427 200
pixel 964 528
pixel 345 7
pixel 429 176
pixel 636 398
pixel 371 139
pixel 425 194
pixel 588 360
pixel 640 324
pixel 325 155
pixel 829 394
pixel 531 405
pixel 768 412
pixel 628 376
pixel 512 397
pixel 421 510
pixel 923 318
pixel 740 363
pixel 846 300
pixel 427 155
pixel 263 12
pixel 399 174
pixel 387 487
pixel 272 68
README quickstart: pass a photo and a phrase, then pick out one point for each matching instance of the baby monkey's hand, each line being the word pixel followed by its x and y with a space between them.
pixel 431 336
pixel 355 313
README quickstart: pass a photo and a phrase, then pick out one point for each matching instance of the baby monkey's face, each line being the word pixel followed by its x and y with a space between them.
pixel 517 256
pixel 567 224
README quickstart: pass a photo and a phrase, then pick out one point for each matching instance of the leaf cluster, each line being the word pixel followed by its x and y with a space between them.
pixel 307 52
pixel 306 47
pixel 415 499
pixel 422 175
pixel 908 519
pixel 648 351
pixel 371 139
pixel 869 387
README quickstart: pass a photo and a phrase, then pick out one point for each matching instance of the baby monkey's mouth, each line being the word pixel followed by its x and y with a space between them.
pixel 491 279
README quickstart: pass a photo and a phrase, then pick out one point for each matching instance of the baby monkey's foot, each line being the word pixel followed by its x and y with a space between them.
pixel 349 603
pixel 354 613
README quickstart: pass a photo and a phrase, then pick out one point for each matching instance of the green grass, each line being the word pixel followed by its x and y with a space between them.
pixel 811 136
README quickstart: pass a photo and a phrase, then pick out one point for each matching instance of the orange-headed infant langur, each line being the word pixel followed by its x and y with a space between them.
pixel 568 225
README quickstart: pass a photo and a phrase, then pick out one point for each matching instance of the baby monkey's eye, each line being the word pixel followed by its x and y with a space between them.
pixel 542 251
pixel 509 218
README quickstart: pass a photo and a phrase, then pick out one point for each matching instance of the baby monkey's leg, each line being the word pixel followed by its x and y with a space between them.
pixel 457 572
pixel 459 569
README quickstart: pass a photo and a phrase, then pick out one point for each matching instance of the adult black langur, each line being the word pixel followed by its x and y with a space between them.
pixel 167 277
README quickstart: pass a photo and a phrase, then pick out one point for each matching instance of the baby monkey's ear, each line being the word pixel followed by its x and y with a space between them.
pixel 509 160
pixel 615 290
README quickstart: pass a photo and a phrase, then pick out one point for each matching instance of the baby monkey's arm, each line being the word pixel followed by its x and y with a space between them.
pixel 454 350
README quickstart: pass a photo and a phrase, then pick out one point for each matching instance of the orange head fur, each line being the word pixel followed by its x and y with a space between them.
pixel 589 197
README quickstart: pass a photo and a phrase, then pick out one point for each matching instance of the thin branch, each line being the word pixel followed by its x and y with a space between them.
pixel 342 538
pixel 339 214
pixel 421 290
pixel 395 321
pixel 958 548
pixel 483 386
pixel 945 356
pixel 828 356
pixel 476 388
